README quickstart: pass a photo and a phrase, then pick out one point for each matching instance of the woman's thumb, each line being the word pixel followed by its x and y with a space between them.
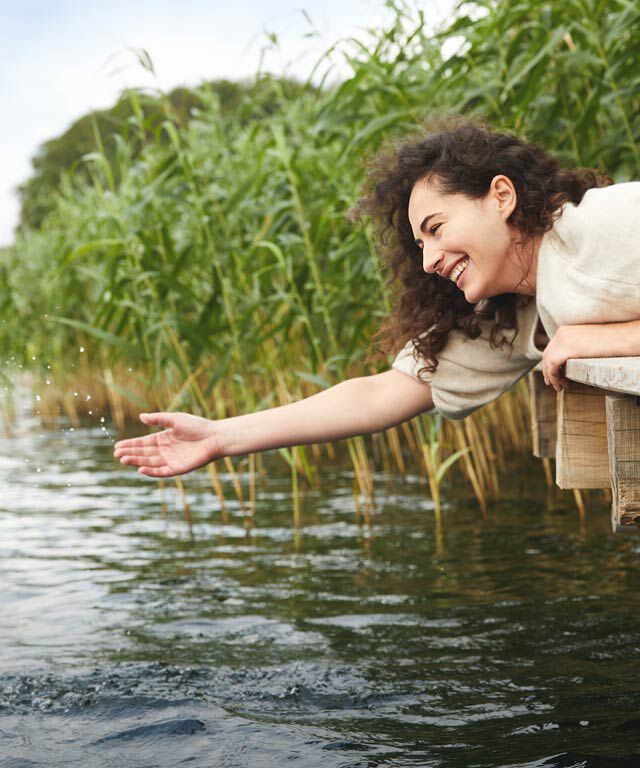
pixel 157 419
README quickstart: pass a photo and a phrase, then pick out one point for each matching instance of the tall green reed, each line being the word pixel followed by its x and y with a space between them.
pixel 210 267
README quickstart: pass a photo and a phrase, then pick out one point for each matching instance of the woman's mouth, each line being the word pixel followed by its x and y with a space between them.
pixel 457 271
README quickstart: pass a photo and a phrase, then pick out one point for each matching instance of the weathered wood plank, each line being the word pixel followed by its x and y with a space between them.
pixel 543 416
pixel 623 428
pixel 617 374
pixel 582 454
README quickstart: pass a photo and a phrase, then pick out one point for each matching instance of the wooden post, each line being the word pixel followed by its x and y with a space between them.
pixel 623 429
pixel 543 416
pixel 582 456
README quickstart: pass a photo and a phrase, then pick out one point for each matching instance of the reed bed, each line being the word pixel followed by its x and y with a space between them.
pixel 210 266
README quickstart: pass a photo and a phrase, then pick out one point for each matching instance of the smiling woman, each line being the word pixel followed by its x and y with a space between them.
pixel 500 258
pixel 490 241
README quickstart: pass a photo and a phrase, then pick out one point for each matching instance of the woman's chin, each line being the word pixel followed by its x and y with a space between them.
pixel 471 294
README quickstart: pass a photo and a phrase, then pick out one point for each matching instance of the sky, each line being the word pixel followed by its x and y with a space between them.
pixel 60 59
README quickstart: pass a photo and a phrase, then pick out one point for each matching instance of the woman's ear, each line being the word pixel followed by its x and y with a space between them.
pixel 503 191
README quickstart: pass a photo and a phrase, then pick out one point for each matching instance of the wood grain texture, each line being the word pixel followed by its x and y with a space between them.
pixel 617 374
pixel 582 453
pixel 543 416
pixel 623 429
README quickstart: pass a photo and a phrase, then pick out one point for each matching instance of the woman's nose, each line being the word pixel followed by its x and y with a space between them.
pixel 432 260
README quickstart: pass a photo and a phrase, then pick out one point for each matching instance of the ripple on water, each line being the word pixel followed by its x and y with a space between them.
pixel 128 637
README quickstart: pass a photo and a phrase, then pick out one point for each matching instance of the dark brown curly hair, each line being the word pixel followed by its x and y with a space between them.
pixel 462 156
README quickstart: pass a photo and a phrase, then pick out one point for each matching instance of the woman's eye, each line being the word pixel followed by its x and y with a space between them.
pixel 435 228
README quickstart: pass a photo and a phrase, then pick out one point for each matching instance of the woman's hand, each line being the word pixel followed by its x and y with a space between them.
pixel 592 340
pixel 567 342
pixel 554 356
pixel 186 443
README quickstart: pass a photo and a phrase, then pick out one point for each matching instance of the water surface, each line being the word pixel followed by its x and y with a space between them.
pixel 129 638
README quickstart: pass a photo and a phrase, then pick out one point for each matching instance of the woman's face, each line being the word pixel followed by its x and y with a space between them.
pixel 455 231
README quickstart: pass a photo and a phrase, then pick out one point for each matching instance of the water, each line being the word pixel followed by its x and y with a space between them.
pixel 129 638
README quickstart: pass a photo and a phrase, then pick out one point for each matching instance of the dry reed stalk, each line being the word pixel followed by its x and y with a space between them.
pixel 164 511
pixel 356 499
pixel 394 445
pixel 412 443
pixel 357 469
pixel 70 409
pixel 476 455
pixel 511 423
pixel 237 487
pixel 331 451
pixel 485 453
pixel 186 509
pixel 431 478
pixel 579 497
pixel 487 438
pixel 217 487
pixel 470 469
pixel 383 457
pixel 361 450
pixel 295 492
pixel 252 486
pixel 498 434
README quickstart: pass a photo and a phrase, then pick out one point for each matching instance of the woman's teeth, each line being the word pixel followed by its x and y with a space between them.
pixel 458 270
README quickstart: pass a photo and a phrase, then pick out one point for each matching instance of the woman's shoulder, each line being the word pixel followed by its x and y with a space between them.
pixel 588 263
pixel 602 212
pixel 600 234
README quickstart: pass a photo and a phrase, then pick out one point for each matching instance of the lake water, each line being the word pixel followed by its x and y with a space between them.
pixel 129 638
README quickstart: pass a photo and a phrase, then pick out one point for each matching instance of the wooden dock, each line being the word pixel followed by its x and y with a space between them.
pixel 592 429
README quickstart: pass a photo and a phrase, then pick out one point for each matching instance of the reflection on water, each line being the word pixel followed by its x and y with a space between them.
pixel 129 639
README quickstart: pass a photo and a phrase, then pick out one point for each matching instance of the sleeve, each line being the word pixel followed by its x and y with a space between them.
pixel 589 263
pixel 602 233
pixel 470 372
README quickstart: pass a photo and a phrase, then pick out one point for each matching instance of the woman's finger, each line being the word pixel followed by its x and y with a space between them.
pixel 135 442
pixel 555 378
pixel 157 419
pixel 156 471
pixel 135 450
pixel 140 461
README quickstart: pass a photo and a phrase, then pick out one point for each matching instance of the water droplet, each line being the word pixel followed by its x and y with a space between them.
pixel 82 349
pixel 75 394
pixel 88 397
pixel 102 419
pixel 38 398
pixel 90 413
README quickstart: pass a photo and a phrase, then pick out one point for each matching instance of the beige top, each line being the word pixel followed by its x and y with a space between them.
pixel 588 272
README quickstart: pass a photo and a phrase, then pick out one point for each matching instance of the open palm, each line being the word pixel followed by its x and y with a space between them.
pixel 185 444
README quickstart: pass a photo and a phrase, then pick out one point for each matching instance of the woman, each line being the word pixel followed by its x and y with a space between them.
pixel 501 260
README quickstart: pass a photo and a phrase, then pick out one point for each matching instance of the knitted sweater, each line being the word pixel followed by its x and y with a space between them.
pixel 588 272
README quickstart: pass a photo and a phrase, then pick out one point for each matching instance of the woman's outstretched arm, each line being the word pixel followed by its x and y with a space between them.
pixel 353 407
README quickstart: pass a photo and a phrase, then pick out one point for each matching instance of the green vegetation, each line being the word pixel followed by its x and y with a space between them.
pixel 200 254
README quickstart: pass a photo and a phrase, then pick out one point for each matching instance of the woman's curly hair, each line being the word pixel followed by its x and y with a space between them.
pixel 462 156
